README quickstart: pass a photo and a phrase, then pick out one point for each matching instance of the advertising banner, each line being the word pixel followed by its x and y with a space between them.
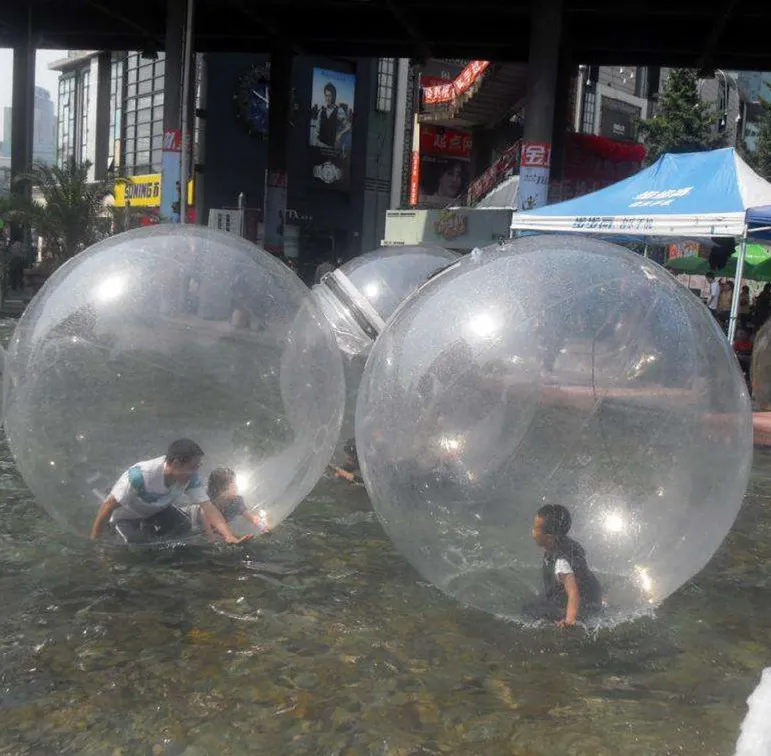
pixel 275 211
pixel 535 164
pixel 440 167
pixel 440 94
pixel 331 127
pixel 171 172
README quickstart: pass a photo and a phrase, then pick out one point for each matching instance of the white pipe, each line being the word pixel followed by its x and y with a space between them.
pixel 737 288
pixel 187 58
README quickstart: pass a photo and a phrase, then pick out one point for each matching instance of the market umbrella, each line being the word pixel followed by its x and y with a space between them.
pixel 757 255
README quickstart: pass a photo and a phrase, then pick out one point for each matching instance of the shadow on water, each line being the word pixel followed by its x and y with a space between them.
pixel 320 640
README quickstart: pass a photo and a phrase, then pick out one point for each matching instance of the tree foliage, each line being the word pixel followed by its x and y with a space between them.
pixel 760 159
pixel 682 123
pixel 71 214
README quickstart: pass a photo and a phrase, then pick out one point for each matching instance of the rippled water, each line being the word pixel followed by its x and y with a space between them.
pixel 320 640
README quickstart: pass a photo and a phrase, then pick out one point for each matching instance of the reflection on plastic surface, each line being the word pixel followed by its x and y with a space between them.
pixel 378 281
pixel 163 333
pixel 571 372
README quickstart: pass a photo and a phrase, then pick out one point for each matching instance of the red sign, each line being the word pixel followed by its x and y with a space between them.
pixel 172 140
pixel 437 140
pixel 501 169
pixel 442 93
pixel 415 179
pixel 536 155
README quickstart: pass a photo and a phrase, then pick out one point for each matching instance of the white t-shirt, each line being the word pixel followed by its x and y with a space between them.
pixel 142 491
pixel 714 295
pixel 562 567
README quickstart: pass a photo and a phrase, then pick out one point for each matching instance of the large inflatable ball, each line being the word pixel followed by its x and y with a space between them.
pixel 561 373
pixel 360 296
pixel 760 369
pixel 164 333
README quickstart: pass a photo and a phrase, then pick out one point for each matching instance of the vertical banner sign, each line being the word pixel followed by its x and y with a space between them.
pixel 171 170
pixel 331 130
pixel 534 175
pixel 275 211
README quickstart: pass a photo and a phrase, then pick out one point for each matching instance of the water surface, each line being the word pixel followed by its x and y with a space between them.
pixel 321 640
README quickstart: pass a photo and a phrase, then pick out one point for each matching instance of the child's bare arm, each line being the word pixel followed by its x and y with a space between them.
pixel 574 599
pixel 217 521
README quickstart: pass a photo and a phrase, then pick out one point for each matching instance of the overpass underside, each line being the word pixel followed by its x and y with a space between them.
pixel 731 34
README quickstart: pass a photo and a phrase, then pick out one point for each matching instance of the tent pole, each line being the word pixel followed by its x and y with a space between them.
pixel 737 288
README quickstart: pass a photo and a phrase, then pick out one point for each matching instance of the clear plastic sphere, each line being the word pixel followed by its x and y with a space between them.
pixel 760 369
pixel 554 370
pixel 164 333
pixel 359 297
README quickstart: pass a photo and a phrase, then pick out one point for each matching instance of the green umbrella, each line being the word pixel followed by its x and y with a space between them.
pixel 693 266
pixel 757 258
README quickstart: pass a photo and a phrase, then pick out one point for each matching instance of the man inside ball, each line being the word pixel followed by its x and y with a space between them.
pixel 222 491
pixel 140 507
pixel 570 589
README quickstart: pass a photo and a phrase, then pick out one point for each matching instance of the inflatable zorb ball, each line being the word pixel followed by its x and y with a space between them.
pixel 563 371
pixel 760 370
pixel 360 296
pixel 164 333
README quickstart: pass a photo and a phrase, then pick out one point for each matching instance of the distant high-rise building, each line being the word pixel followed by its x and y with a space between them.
pixel 44 135
pixel 5 146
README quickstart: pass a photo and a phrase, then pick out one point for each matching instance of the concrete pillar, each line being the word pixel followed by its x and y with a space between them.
pixel 198 172
pixel 274 203
pixel 563 111
pixel 543 61
pixel 99 116
pixel 176 15
pixel 22 122
pixel 400 130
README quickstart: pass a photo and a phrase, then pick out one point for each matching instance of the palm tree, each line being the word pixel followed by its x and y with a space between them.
pixel 71 214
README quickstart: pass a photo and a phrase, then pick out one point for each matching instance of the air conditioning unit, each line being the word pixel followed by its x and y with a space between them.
pixel 228 221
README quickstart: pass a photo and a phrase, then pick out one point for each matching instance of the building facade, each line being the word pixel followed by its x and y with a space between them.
pixel 340 215
pixel 111 115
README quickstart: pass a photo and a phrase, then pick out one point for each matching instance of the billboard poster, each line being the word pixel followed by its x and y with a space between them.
pixel 331 127
pixel 440 170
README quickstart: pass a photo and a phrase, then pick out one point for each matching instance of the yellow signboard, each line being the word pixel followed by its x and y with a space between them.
pixel 144 191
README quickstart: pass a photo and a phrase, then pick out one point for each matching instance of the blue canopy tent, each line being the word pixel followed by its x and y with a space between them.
pixel 759 223
pixel 695 194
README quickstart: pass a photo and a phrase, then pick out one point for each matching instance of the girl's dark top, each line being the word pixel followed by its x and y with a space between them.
pixel 231 507
pixel 573 553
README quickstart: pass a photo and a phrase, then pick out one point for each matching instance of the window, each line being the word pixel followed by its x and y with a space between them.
pixel 590 110
pixel 83 105
pixel 67 110
pixel 117 71
pixel 385 84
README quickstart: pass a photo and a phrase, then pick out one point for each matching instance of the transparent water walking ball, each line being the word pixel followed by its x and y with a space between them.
pixel 164 333
pixel 360 296
pixel 554 370
pixel 760 370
